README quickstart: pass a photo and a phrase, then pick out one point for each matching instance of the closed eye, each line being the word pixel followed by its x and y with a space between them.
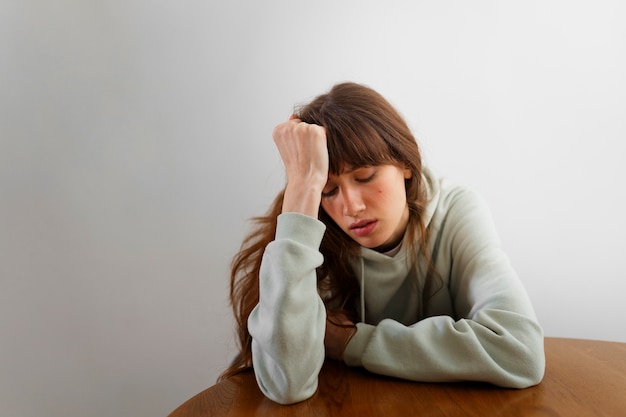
pixel 326 194
pixel 367 179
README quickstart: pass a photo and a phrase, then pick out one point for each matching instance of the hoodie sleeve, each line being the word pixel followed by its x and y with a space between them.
pixel 288 324
pixel 494 335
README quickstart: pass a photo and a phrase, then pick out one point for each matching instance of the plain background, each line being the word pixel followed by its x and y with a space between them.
pixel 135 142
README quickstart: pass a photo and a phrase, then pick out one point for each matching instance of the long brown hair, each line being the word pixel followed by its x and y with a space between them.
pixel 362 129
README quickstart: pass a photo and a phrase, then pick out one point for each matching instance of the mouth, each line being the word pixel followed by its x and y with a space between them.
pixel 363 227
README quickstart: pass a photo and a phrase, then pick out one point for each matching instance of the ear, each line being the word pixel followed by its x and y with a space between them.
pixel 408 173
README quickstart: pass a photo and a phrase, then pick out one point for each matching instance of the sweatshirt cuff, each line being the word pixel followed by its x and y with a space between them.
pixel 353 355
pixel 300 228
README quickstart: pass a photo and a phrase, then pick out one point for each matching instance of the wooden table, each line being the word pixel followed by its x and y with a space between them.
pixel 583 378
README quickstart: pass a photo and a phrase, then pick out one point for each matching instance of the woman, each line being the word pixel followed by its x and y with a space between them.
pixel 368 258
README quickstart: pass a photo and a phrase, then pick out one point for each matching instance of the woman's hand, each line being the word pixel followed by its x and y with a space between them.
pixel 339 331
pixel 304 152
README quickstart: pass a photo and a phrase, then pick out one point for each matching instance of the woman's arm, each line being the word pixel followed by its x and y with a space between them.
pixel 494 337
pixel 304 152
pixel 287 326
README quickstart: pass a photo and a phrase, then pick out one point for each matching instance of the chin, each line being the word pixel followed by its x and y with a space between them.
pixel 373 244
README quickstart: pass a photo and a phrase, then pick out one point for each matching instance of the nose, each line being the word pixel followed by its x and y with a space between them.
pixel 353 202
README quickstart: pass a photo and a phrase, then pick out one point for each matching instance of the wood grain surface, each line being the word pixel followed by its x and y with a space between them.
pixel 583 378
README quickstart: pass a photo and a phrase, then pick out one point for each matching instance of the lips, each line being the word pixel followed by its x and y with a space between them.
pixel 363 227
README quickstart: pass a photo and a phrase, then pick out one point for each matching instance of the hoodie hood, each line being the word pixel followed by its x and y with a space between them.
pixel 433 191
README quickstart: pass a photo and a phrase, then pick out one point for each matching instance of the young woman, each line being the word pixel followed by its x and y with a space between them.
pixel 367 257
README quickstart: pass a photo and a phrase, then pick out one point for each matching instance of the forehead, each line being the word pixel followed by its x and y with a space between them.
pixel 355 145
pixel 348 170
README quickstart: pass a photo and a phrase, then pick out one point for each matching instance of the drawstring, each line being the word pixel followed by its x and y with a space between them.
pixel 362 291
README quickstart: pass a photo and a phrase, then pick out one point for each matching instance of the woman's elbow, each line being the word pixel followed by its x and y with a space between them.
pixel 534 370
pixel 528 367
pixel 288 392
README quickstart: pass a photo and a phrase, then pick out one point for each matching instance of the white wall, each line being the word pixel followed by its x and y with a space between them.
pixel 135 141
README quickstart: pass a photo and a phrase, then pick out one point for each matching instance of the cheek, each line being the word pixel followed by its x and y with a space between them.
pixel 387 196
pixel 379 194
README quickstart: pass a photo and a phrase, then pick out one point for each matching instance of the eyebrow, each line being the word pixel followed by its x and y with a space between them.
pixel 349 169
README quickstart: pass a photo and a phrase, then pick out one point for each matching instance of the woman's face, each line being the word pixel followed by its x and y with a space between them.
pixel 369 204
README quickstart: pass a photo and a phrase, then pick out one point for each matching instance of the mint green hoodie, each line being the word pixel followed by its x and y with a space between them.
pixel 479 326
